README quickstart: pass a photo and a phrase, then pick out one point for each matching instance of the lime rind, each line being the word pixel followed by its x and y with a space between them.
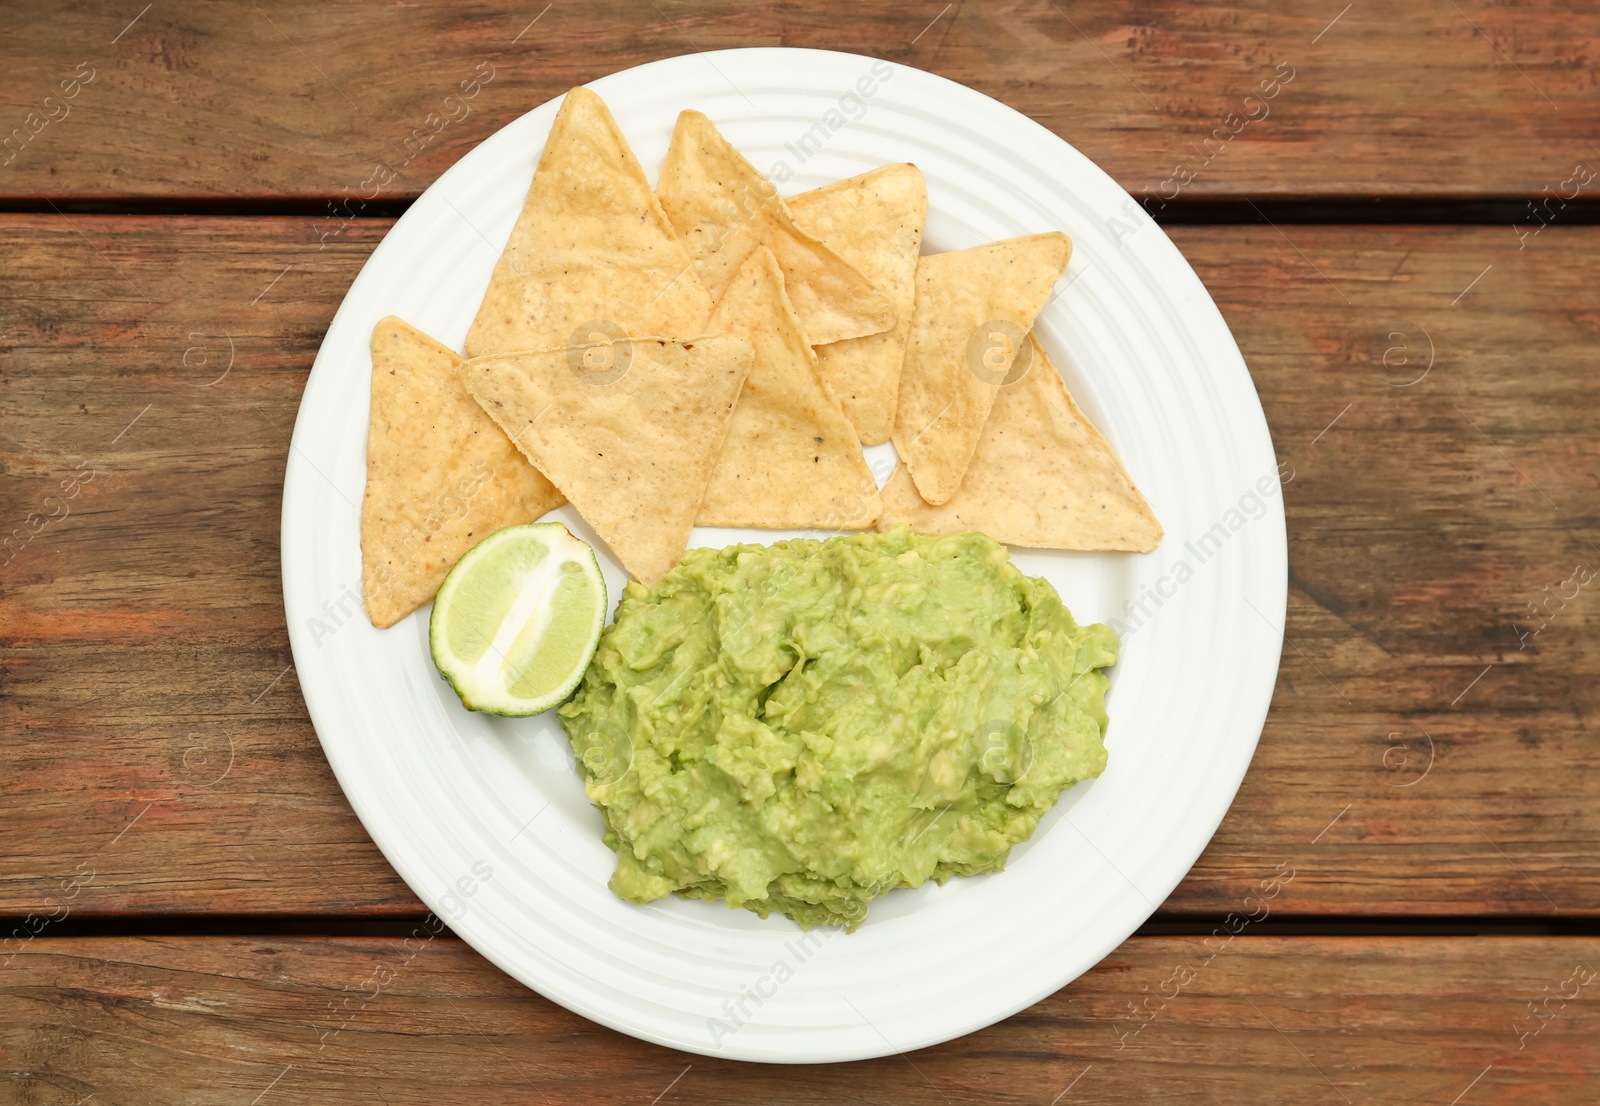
pixel 511 595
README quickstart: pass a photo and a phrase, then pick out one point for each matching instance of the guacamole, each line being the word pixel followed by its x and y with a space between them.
pixel 804 726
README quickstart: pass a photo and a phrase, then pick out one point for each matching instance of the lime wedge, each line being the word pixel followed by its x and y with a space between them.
pixel 517 619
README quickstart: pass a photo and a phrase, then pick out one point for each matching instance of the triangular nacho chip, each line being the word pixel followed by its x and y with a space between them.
pixel 441 476
pixel 874 221
pixel 592 253
pixel 723 208
pixel 791 459
pixel 628 431
pixel 1042 477
pixel 974 308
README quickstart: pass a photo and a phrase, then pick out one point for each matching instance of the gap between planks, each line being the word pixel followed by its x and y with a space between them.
pixel 1197 211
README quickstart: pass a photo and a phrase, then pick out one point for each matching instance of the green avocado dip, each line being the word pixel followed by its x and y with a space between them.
pixel 804 726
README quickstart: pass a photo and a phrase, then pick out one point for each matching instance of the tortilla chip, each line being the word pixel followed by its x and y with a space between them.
pixel 1042 477
pixel 874 221
pixel 791 459
pixel 628 430
pixel 974 308
pixel 723 208
pixel 592 253
pixel 441 476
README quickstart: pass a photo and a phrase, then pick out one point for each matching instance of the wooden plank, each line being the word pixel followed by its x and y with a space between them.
pixel 156 735
pixel 283 1020
pixel 1444 475
pixel 147 661
pixel 1392 100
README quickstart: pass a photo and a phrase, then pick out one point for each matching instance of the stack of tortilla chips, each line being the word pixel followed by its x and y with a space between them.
pixel 709 352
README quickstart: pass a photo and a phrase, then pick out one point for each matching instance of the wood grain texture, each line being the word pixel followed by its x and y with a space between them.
pixel 278 1021
pixel 156 735
pixel 304 99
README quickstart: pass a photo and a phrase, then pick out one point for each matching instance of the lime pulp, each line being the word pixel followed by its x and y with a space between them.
pixel 516 622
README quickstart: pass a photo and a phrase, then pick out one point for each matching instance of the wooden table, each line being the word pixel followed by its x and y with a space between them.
pixel 1405 249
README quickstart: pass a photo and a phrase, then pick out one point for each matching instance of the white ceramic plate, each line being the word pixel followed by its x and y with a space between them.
pixel 485 818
